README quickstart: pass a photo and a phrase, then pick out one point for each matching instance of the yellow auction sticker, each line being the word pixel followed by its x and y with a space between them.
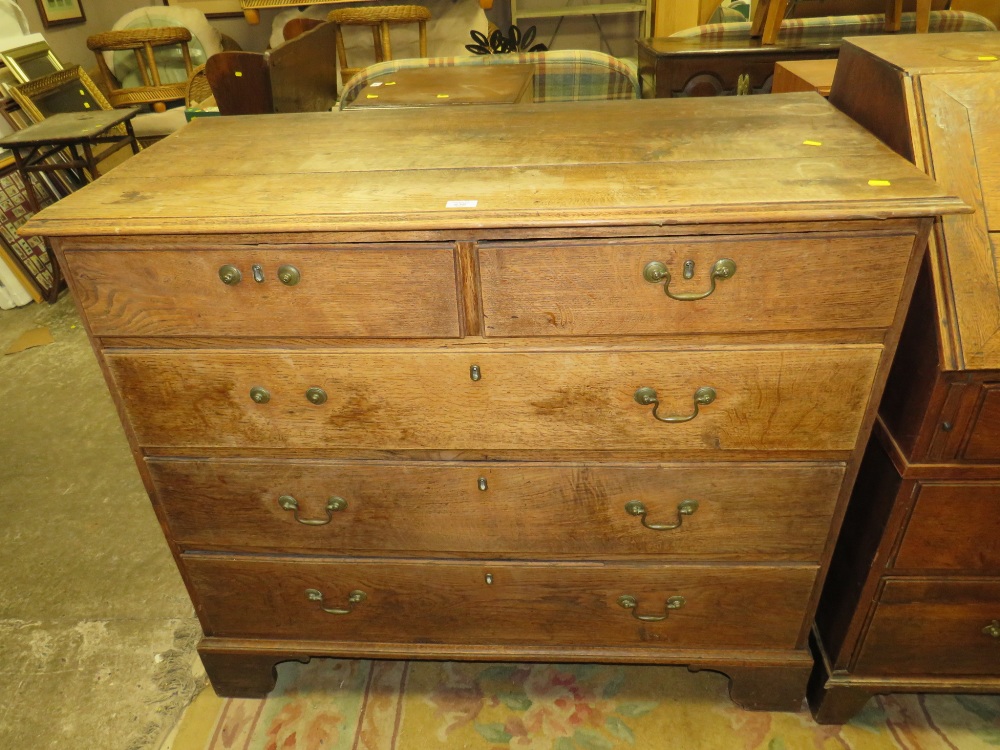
pixel 879 183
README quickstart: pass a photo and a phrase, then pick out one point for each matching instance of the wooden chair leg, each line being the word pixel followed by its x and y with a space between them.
pixel 759 17
pixel 893 14
pixel 923 16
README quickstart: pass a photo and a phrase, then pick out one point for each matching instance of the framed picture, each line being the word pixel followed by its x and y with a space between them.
pixel 70 90
pixel 60 12
pixel 30 61
pixel 28 255
pixel 211 8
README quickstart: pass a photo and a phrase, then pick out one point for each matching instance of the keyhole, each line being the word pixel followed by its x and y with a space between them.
pixel 489 579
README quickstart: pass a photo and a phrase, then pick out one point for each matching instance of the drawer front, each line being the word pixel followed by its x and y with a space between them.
pixel 379 291
pixel 801 399
pixel 984 436
pixel 954 526
pixel 423 601
pixel 791 284
pixel 932 627
pixel 707 511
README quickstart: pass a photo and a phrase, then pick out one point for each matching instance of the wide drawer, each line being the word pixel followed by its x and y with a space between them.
pixel 342 291
pixel 809 398
pixel 705 511
pixel 493 602
pixel 954 526
pixel 779 284
pixel 934 627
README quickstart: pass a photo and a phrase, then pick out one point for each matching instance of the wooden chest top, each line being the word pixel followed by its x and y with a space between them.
pixel 751 159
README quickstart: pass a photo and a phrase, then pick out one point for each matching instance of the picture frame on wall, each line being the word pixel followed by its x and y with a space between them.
pixel 211 8
pixel 60 12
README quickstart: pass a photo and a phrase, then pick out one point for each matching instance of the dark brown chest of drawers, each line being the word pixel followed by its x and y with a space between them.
pixel 913 598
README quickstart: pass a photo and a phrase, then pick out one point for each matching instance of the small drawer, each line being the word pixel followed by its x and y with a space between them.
pixel 739 512
pixel 770 284
pixel 984 435
pixel 501 603
pixel 810 399
pixel 954 526
pixel 336 291
pixel 934 627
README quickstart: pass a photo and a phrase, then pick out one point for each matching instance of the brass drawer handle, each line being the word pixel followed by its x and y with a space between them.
pixel 289 275
pixel 702 397
pixel 355 597
pixel 655 272
pixel 632 604
pixel 685 508
pixel 260 395
pixel 333 505
pixel 230 275
pixel 993 629
pixel 316 396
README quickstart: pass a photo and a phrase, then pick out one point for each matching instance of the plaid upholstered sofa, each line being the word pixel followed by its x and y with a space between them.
pixel 560 75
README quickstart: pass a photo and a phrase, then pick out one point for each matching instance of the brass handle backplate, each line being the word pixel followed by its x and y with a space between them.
pixel 230 275
pixel 289 275
pixel 316 396
pixel 355 597
pixel 702 397
pixel 685 508
pixel 333 505
pixel 260 395
pixel 655 272
pixel 630 603
pixel 993 629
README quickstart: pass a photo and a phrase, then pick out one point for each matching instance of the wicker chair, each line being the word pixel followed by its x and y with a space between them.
pixel 143 43
pixel 379 18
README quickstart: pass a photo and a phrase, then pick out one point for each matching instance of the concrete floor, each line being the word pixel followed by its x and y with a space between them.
pixel 97 634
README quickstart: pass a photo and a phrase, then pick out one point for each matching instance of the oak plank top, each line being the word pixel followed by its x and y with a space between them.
pixel 952 52
pixel 625 163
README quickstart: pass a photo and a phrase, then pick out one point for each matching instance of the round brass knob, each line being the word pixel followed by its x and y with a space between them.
pixel 230 275
pixel 289 275
pixel 316 396
pixel 260 395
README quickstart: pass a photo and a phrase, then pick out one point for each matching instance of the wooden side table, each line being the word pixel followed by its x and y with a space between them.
pixel 72 131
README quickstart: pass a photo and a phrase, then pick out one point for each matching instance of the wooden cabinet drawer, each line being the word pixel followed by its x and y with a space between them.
pixel 808 398
pixel 780 284
pixel 743 512
pixel 984 436
pixel 954 526
pixel 343 291
pixel 934 627
pixel 425 601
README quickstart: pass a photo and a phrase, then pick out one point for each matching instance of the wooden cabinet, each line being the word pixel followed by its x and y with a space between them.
pixel 690 66
pixel 569 384
pixel 913 599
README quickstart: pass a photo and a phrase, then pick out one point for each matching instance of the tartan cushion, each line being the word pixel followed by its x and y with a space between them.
pixel 560 75
pixel 825 26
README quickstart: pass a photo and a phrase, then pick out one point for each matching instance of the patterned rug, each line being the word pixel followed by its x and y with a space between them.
pixel 333 704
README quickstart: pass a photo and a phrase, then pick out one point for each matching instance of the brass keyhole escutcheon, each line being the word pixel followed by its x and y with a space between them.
pixel 260 395
pixel 483 486
pixel 289 275
pixel 475 373
pixel 489 579
pixel 316 396
pixel 230 275
pixel 258 273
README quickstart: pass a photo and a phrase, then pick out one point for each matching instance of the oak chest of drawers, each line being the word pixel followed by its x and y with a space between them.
pixel 912 603
pixel 572 383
